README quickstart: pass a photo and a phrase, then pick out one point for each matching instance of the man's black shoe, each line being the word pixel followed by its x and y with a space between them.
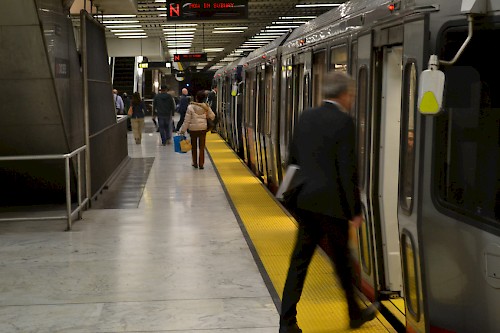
pixel 366 315
pixel 291 328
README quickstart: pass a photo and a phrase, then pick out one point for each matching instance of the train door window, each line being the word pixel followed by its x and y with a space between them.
pixel 318 70
pixel 468 131
pixel 411 274
pixel 306 97
pixel 269 97
pixel 338 58
pixel 407 170
pixel 361 120
pixel 251 99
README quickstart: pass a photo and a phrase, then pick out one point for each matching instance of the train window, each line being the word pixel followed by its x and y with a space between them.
pixel 467 177
pixel 410 273
pixel 361 122
pixel 407 168
pixel 269 98
pixel 318 71
pixel 338 58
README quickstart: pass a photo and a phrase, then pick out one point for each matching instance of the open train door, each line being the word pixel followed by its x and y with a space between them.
pixel 408 200
pixel 362 246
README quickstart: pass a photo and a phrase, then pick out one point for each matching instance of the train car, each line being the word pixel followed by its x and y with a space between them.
pixel 428 147
pixel 262 96
pixel 229 81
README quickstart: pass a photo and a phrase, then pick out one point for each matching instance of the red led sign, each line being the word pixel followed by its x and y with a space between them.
pixel 207 10
pixel 190 57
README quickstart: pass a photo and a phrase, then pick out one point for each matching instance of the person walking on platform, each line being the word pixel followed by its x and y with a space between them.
pixel 126 106
pixel 196 121
pixel 136 112
pixel 164 108
pixel 212 102
pixel 183 105
pixel 119 107
pixel 323 148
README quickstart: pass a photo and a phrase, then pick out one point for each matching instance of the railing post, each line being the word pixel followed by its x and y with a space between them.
pixel 68 191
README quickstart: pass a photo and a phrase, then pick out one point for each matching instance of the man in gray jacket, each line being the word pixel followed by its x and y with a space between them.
pixel 164 108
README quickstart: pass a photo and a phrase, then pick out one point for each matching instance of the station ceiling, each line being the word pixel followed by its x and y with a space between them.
pixel 224 40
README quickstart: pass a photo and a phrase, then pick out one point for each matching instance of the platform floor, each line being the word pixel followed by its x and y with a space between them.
pixel 176 254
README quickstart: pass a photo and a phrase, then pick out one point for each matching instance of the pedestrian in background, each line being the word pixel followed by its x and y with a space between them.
pixel 212 102
pixel 323 148
pixel 119 107
pixel 196 121
pixel 136 112
pixel 182 108
pixel 126 106
pixel 164 108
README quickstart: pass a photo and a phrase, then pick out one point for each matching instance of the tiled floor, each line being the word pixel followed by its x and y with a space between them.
pixel 178 263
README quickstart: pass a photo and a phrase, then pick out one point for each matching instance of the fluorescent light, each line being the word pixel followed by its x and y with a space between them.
pixel 297 17
pixel 229 28
pixel 317 5
pixel 130 33
pixel 123 26
pixel 290 22
pixel 180 25
pixel 227 32
pixel 171 33
pixel 128 30
pixel 132 36
pixel 179 29
pixel 216 49
pixel 118 16
pixel 161 8
pixel 119 22
pixel 282 26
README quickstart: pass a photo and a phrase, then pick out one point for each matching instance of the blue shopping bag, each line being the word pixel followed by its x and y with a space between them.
pixel 177 143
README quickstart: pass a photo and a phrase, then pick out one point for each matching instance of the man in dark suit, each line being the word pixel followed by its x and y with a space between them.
pixel 323 146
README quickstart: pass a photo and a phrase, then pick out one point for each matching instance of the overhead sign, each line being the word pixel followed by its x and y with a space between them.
pixel 190 57
pixel 207 10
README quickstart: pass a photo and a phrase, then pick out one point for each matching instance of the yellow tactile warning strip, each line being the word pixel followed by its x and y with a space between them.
pixel 272 232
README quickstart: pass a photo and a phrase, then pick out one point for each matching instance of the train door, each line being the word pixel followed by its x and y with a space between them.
pixel 319 69
pixel 266 128
pixel 259 111
pixel 250 119
pixel 414 37
pixel 364 242
pixel 386 184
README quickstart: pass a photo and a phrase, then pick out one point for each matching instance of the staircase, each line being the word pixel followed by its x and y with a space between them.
pixel 123 79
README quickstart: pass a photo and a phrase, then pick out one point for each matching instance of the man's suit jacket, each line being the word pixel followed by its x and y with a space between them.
pixel 323 146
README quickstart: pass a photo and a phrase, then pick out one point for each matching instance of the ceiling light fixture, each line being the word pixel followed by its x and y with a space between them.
pixel 123 26
pixel 228 31
pixel 229 28
pixel 317 5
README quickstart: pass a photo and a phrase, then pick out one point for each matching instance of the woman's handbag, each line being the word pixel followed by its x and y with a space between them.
pixel 210 124
pixel 185 145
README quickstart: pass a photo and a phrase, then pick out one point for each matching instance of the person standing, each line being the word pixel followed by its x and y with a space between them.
pixel 119 107
pixel 196 121
pixel 323 147
pixel 164 107
pixel 126 106
pixel 183 105
pixel 212 102
pixel 136 112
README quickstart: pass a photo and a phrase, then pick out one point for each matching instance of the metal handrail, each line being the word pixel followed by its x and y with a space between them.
pixel 81 202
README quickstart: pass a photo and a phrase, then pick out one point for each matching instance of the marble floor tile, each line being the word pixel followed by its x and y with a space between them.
pixel 176 263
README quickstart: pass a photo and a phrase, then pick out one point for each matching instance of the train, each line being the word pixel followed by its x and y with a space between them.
pixel 427 118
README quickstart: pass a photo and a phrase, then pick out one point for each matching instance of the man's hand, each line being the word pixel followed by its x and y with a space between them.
pixel 357 221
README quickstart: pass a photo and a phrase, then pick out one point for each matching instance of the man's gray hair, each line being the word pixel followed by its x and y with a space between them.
pixel 335 83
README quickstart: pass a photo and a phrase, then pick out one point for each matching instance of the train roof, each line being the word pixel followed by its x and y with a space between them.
pixel 268 48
